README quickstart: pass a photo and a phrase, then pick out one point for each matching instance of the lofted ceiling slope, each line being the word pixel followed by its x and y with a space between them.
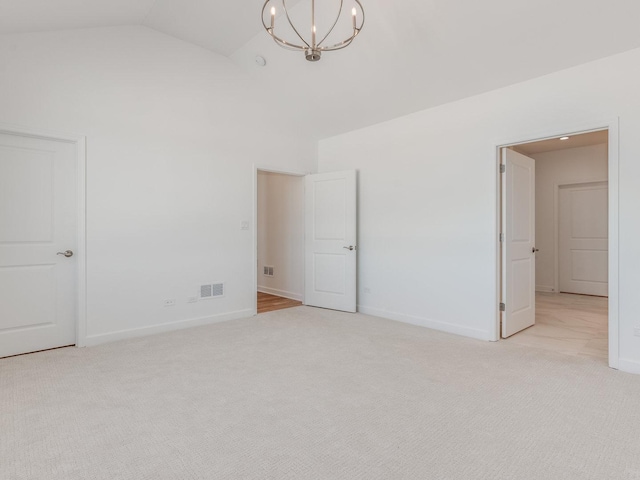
pixel 417 54
pixel 44 15
pixel 411 54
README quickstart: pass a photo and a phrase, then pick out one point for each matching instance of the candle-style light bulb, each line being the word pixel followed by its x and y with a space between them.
pixel 353 15
pixel 273 16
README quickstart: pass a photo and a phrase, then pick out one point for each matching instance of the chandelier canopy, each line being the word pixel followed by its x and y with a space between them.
pixel 309 43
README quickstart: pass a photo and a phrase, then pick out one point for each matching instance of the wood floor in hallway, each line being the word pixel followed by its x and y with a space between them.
pixel 269 303
pixel 570 324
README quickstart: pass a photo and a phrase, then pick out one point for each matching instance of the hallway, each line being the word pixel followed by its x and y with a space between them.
pixel 570 324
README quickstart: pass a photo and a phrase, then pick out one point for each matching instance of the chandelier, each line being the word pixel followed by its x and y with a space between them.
pixel 310 45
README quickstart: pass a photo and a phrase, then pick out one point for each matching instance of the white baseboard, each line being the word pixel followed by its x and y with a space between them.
pixel 629 366
pixel 165 327
pixel 280 293
pixel 427 322
pixel 545 288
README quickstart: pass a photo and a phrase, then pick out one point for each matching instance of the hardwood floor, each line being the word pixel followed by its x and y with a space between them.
pixel 571 324
pixel 268 303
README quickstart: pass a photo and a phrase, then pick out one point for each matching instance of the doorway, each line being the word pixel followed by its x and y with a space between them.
pixel 42 267
pixel 280 240
pixel 556 218
pixel 325 233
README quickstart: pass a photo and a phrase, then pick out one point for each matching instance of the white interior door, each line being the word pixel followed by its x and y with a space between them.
pixel 518 252
pixel 583 231
pixel 38 218
pixel 330 240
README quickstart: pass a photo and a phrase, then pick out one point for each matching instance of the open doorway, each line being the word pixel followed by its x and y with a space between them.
pixel 304 242
pixel 280 241
pixel 555 219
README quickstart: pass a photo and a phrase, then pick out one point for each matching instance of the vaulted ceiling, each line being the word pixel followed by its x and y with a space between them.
pixel 411 54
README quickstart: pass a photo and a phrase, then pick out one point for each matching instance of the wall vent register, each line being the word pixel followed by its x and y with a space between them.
pixel 212 290
pixel 267 271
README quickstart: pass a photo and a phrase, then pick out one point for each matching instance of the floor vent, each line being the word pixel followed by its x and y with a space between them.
pixel 212 290
pixel 268 271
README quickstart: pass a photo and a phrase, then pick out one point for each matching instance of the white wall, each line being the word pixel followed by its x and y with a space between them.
pixel 281 234
pixel 172 133
pixel 428 195
pixel 560 167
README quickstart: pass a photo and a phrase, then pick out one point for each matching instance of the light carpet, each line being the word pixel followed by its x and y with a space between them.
pixel 307 393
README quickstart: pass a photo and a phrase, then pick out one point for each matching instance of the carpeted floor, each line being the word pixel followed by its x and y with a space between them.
pixel 306 393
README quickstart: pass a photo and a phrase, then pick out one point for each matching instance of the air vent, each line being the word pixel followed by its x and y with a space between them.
pixel 268 271
pixel 212 290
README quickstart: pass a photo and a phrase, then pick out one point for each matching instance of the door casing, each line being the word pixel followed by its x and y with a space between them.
pixel 612 126
pixel 257 168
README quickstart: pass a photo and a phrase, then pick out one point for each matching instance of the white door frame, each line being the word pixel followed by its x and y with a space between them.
pixel 255 170
pixel 80 142
pixel 612 125
pixel 556 225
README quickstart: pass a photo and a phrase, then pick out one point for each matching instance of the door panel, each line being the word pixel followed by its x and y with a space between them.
pixel 518 257
pixel 37 219
pixel 330 228
pixel 583 229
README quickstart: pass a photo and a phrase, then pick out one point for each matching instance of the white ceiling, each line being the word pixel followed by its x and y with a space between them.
pixel 220 26
pixel 416 54
pixel 555 144
pixel 42 15
pixel 411 54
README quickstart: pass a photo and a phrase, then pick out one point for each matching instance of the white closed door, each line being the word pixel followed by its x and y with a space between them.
pixel 584 239
pixel 38 219
pixel 330 240
pixel 518 252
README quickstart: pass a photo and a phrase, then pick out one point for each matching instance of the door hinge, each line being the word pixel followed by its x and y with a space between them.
pixel 503 168
pixel 503 307
pixel 502 237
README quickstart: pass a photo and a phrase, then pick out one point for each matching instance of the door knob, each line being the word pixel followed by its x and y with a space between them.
pixel 534 250
pixel 66 253
pixel 350 247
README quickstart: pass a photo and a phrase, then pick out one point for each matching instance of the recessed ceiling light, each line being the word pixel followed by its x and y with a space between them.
pixel 564 138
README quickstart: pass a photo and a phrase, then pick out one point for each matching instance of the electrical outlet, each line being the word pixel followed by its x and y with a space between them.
pixel 170 302
pixel 244 225
pixel 636 331
pixel 192 299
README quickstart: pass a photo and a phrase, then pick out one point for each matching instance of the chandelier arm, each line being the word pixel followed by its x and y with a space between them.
pixel 341 45
pixel 268 29
pixel 287 45
pixel 284 4
pixel 334 24
pixel 362 10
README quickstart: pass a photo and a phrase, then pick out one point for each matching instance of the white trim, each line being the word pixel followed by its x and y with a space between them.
pixel 614 245
pixel 629 366
pixel 612 125
pixel 280 293
pixel 556 223
pixel 545 288
pixel 427 322
pixel 254 249
pixel 81 248
pixel 166 327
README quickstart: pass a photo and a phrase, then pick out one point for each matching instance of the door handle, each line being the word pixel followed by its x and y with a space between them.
pixel 534 249
pixel 66 253
pixel 350 247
